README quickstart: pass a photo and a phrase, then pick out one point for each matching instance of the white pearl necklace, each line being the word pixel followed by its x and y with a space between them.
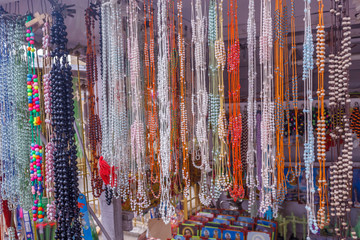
pixel 166 208
pixel 138 195
pixel 198 24
pixel 251 107
pixel 114 118
pixel 268 190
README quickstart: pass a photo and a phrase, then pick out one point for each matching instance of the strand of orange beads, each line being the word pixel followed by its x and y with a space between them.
pixel 235 126
pixel 279 44
pixel 287 126
pixel 151 108
pixel 36 154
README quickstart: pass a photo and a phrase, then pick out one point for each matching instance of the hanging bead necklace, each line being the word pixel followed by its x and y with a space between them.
pixel 62 117
pixel 235 126
pixel 118 119
pixel 8 114
pixel 173 59
pixel 321 130
pixel 198 24
pixel 287 124
pixel 152 114
pixel 49 147
pixel 309 154
pixel 268 206
pixel 341 173
pixel 244 140
pixel 94 134
pixel 214 101
pixel 294 82
pixel 279 74
pixel 4 63
pixel 22 128
pixel 7 173
pixel 251 107
pixel 138 180
pixel 15 129
pixel 36 155
pixel 114 115
pixel 224 159
pixel 166 208
pixel 183 112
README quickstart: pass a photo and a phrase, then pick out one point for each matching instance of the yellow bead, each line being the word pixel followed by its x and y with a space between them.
pixel 33 50
pixel 36 87
pixel 29 86
pixel 29 94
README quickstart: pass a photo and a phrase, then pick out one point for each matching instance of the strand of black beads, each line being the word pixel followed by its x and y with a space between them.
pixel 65 159
pixel 108 194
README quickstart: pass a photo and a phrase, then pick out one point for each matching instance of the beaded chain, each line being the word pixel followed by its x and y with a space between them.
pixel 235 126
pixel 309 151
pixel 3 62
pixel 341 173
pixel 118 115
pixel 114 117
pixel 36 154
pixel 94 134
pixel 49 147
pixel 258 150
pixel 251 108
pixel 166 208
pixel 321 126
pixel 279 77
pixel 198 25
pixel 224 159
pixel 139 199
pixel 8 190
pixel 287 123
pixel 173 61
pixel 23 127
pixel 14 129
pixel 294 82
pixel 151 111
pixel 214 100
pixel 244 139
pixel 268 207
pixel 183 112
pixel 62 117
pixel 114 114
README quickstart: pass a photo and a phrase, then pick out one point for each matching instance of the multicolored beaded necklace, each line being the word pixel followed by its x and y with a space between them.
pixel 36 155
